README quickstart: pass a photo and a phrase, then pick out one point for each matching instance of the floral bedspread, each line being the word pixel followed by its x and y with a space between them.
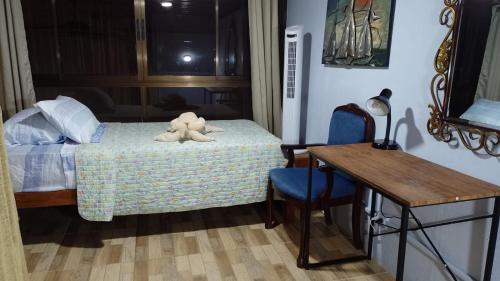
pixel 129 173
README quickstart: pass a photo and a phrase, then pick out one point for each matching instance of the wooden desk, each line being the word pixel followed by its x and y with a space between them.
pixel 408 181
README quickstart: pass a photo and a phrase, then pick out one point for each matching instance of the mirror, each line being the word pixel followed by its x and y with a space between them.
pixel 466 88
pixel 475 88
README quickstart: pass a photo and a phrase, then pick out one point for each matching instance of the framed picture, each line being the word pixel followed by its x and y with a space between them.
pixel 358 32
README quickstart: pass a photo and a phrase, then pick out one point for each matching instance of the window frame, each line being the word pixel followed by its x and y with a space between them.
pixel 143 79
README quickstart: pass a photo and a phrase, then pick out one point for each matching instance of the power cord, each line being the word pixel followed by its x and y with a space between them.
pixel 386 216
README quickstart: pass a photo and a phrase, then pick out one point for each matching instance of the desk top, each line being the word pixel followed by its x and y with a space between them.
pixel 405 178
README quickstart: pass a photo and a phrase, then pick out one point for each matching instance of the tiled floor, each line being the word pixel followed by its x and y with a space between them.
pixel 216 244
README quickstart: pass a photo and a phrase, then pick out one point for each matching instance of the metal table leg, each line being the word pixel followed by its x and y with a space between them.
pixel 370 231
pixel 493 241
pixel 402 243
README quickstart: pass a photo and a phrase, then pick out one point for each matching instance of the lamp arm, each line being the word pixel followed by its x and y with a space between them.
pixel 388 128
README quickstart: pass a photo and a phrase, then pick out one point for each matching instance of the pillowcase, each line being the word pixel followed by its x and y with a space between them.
pixel 73 119
pixel 30 127
pixel 483 111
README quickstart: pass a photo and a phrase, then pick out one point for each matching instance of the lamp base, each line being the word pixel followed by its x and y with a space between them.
pixel 389 145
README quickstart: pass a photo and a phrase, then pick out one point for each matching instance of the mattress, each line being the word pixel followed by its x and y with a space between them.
pixel 42 168
pixel 129 173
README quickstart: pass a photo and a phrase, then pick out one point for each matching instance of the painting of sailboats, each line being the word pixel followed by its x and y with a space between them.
pixel 358 32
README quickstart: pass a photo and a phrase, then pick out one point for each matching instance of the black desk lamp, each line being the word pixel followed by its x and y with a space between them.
pixel 381 106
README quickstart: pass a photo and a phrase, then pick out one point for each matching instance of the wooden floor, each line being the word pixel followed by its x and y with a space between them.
pixel 216 244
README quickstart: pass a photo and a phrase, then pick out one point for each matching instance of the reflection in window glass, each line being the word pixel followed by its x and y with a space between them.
pixel 78 46
pixel 181 39
pixel 209 103
pixel 92 37
pixel 108 104
pixel 233 52
pixel 40 36
pixel 113 104
pixel 97 37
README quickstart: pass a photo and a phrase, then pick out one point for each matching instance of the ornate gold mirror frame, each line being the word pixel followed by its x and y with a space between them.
pixel 442 128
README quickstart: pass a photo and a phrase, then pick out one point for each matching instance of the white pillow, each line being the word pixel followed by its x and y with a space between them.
pixel 484 111
pixel 30 127
pixel 70 117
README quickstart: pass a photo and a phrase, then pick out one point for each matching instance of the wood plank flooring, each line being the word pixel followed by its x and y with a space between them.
pixel 216 244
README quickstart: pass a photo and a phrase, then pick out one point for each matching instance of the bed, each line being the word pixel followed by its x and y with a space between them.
pixel 43 175
pixel 128 173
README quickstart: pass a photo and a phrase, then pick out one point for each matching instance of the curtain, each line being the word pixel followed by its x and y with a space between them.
pixel 12 262
pixel 265 64
pixel 488 86
pixel 16 85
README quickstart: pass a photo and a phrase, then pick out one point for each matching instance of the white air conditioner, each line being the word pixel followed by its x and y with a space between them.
pixel 292 83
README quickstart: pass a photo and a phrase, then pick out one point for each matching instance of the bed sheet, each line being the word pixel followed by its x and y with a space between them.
pixel 48 167
pixel 42 168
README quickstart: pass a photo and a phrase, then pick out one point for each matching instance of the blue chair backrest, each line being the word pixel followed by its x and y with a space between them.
pixel 346 128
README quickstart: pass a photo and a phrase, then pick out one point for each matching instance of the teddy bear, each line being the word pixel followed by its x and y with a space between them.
pixel 188 126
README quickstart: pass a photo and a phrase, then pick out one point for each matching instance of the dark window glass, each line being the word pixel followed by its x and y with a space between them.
pixel 97 37
pixel 105 52
pixel 39 23
pixel 233 49
pixel 209 103
pixel 181 39
pixel 92 37
pixel 109 104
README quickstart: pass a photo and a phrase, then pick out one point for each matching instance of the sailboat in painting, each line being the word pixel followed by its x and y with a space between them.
pixel 355 34
pixel 348 40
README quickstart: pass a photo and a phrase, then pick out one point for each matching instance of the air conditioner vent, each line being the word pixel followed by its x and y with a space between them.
pixel 292 67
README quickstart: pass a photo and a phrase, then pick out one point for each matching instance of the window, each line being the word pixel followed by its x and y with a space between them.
pixel 148 57
pixel 181 39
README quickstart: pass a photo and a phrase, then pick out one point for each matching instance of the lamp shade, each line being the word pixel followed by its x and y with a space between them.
pixel 380 105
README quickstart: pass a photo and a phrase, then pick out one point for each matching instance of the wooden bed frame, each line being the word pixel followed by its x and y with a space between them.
pixel 65 197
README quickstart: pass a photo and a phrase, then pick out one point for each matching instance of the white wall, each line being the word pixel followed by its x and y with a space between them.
pixel 416 37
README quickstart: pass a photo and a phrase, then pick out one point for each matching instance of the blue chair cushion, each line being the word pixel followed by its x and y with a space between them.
pixel 293 182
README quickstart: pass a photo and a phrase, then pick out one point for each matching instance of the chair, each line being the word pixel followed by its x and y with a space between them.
pixel 349 124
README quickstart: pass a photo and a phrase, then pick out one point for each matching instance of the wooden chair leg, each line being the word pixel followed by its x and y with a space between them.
pixel 305 231
pixel 289 212
pixel 270 221
pixel 356 218
pixel 328 216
